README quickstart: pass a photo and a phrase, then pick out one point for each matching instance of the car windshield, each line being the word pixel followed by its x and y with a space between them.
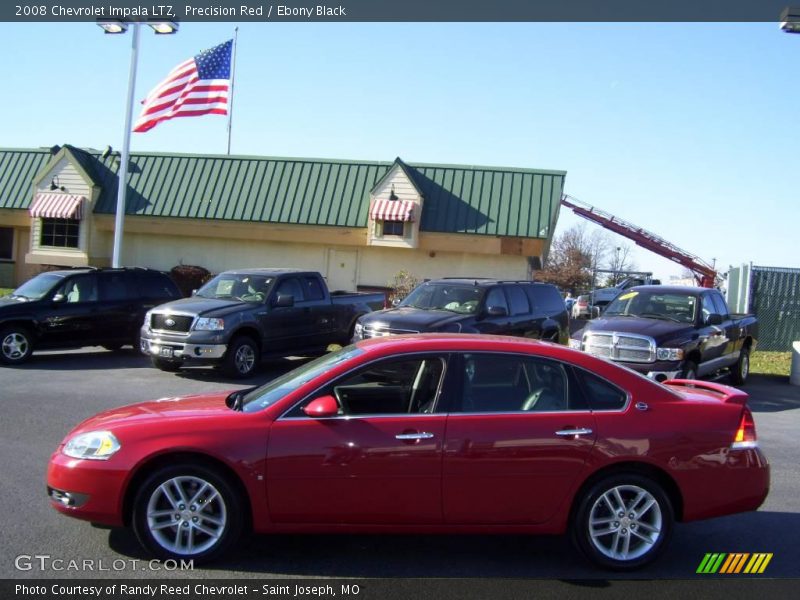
pixel 237 286
pixel 668 306
pixel 38 287
pixel 268 394
pixel 461 299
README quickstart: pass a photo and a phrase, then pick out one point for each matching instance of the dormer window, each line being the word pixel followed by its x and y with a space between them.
pixel 393 228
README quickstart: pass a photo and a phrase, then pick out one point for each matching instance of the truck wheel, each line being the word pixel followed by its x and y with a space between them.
pixel 242 357
pixel 165 365
pixel 741 369
pixel 689 370
pixel 187 511
pixel 16 345
pixel 623 522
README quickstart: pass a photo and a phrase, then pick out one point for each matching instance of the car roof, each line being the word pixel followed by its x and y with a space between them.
pixel 668 289
pixel 275 271
pixel 479 281
pixel 85 270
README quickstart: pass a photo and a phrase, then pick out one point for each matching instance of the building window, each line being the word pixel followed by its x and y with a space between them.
pixel 60 233
pixel 6 243
pixel 393 228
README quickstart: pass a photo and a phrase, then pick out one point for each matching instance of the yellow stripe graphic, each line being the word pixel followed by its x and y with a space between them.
pixel 768 557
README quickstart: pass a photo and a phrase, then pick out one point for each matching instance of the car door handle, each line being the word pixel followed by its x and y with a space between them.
pixel 573 432
pixel 421 435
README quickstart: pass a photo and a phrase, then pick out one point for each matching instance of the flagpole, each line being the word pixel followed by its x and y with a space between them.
pixel 233 76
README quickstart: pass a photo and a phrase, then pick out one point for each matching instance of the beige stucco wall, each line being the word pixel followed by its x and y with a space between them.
pixel 375 266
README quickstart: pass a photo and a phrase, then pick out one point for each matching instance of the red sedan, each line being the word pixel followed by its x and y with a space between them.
pixel 425 434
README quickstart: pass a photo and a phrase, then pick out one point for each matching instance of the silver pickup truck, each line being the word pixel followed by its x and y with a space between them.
pixel 241 316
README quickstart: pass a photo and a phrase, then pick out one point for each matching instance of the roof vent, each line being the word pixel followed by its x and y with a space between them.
pixel 55 149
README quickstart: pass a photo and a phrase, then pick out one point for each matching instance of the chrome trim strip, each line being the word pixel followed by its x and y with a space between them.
pixel 575 432
pixel 424 435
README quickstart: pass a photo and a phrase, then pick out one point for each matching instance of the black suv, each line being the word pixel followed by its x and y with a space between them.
pixel 80 307
pixel 519 308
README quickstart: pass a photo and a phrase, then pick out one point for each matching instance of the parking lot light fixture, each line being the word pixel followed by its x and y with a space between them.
pixel 112 26
pixel 163 27
pixel 790 19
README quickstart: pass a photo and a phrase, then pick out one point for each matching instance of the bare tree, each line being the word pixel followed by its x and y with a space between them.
pixel 573 258
pixel 619 262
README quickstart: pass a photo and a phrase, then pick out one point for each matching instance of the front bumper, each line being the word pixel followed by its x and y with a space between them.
pixel 168 349
pixel 86 489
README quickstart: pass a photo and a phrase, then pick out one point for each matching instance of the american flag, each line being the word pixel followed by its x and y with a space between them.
pixel 198 86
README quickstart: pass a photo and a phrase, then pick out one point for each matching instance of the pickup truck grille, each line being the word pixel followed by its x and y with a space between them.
pixel 371 331
pixel 170 323
pixel 620 346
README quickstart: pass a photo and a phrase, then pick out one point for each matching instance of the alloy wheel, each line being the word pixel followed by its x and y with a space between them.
pixel 15 346
pixel 625 522
pixel 244 359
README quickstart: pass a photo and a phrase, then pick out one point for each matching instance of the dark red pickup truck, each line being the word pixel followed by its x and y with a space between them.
pixel 668 332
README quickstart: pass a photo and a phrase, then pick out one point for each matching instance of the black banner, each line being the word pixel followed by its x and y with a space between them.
pixel 390 589
pixel 397 10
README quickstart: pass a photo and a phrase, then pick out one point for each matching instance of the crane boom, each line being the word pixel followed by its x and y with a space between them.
pixel 704 274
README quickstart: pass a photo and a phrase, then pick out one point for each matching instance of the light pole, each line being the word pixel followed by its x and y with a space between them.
pixel 119 27
pixel 617 266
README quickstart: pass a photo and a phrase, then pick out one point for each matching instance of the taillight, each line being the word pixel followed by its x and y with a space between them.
pixel 746 433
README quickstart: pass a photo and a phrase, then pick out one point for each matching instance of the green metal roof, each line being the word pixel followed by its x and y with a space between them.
pixel 457 198
pixel 18 168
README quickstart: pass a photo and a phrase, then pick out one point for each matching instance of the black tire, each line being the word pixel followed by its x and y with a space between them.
pixel 741 369
pixel 242 358
pixel 654 523
pixel 165 365
pixel 16 345
pixel 213 523
pixel 689 370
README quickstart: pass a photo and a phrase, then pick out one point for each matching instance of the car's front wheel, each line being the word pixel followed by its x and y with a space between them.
pixel 623 521
pixel 242 358
pixel 187 511
pixel 16 345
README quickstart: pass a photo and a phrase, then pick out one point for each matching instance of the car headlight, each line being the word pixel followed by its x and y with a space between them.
pixel 148 318
pixel 669 353
pixel 358 331
pixel 208 324
pixel 575 344
pixel 94 445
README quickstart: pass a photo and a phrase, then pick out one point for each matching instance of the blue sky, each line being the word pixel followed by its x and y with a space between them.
pixel 688 130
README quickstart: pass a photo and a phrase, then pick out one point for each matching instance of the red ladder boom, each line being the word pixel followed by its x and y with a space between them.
pixel 704 273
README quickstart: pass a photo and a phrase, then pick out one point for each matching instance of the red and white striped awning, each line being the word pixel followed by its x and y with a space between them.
pixel 392 210
pixel 57 206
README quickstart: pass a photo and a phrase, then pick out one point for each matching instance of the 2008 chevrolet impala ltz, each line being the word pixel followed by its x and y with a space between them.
pixel 434 433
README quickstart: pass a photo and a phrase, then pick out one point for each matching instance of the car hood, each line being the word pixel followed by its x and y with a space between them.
pixel 175 408
pixel 413 319
pixel 13 305
pixel 206 307
pixel 659 329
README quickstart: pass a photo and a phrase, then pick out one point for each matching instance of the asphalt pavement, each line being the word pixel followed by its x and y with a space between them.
pixel 42 400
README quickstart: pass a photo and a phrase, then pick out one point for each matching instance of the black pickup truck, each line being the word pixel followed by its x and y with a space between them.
pixel 241 316
pixel 668 332
pixel 461 305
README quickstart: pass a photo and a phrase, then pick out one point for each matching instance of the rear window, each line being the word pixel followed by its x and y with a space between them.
pixel 157 285
pixel 545 298
pixel 519 301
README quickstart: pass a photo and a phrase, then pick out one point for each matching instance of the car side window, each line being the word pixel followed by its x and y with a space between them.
pixel 80 288
pixel 518 300
pixel 156 285
pixel 115 286
pixel 388 387
pixel 719 303
pixel 313 289
pixel 508 383
pixel 707 307
pixel 497 298
pixel 600 394
pixel 291 287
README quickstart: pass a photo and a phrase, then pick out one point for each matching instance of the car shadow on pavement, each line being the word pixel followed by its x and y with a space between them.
pixel 90 359
pixel 475 556
pixel 771 393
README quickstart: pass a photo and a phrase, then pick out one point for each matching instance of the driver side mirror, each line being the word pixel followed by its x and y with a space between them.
pixel 396 302
pixel 283 301
pixel 322 407
pixel 59 298
pixel 496 311
pixel 714 319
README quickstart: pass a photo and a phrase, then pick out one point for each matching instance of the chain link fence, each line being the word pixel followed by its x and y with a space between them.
pixel 773 295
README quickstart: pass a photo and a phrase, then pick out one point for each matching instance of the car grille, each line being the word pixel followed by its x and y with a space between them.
pixel 170 323
pixel 372 331
pixel 620 346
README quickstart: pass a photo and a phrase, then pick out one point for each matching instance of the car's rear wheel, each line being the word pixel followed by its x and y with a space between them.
pixel 741 369
pixel 187 511
pixel 623 521
pixel 242 357
pixel 16 345
pixel 165 365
